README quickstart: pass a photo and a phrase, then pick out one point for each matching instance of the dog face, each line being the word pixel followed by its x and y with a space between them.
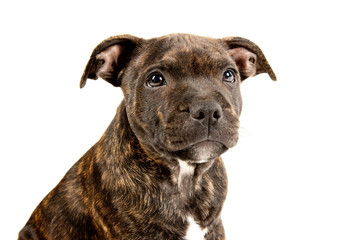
pixel 182 92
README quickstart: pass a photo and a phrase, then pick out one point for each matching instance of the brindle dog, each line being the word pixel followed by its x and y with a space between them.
pixel 157 168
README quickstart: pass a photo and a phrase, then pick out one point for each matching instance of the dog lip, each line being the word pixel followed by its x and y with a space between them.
pixel 197 143
pixel 203 144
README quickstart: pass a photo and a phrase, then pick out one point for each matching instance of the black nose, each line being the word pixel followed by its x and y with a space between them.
pixel 206 112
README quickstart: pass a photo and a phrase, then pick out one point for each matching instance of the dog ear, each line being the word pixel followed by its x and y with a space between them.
pixel 109 58
pixel 248 57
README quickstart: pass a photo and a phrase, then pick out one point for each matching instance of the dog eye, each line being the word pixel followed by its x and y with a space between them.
pixel 229 76
pixel 155 80
pixel 252 60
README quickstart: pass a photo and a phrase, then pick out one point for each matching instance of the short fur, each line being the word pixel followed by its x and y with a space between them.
pixel 129 185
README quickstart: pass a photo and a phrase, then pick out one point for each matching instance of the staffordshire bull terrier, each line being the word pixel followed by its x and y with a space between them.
pixel 156 172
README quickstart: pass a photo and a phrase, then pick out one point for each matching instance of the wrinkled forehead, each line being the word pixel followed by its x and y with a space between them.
pixel 186 54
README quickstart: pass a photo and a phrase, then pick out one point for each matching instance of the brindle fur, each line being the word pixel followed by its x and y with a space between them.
pixel 127 185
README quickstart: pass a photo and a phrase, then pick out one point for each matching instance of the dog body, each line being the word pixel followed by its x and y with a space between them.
pixel 157 168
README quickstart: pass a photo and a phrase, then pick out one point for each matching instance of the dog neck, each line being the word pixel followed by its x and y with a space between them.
pixel 188 175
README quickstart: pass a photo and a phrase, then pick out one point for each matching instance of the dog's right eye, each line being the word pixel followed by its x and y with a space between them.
pixel 229 76
pixel 156 80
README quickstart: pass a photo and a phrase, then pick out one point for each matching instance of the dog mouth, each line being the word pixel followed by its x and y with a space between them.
pixel 201 151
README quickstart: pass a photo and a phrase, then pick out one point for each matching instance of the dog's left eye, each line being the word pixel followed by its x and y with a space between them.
pixel 229 76
pixel 155 80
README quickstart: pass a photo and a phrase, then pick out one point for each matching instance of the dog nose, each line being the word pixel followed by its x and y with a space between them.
pixel 206 112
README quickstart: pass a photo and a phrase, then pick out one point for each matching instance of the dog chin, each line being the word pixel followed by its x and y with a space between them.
pixel 202 151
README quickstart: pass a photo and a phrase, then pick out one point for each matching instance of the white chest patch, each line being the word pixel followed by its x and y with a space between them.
pixel 194 231
pixel 185 170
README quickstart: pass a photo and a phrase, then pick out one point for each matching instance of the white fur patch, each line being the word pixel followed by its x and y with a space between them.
pixel 185 170
pixel 194 231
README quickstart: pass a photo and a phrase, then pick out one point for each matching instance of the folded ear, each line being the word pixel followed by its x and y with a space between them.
pixel 248 57
pixel 109 58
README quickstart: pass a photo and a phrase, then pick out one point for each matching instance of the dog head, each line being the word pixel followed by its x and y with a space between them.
pixel 182 92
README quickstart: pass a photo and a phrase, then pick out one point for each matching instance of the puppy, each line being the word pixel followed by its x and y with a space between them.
pixel 156 172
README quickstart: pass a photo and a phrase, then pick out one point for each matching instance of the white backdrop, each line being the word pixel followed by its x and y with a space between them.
pixel 295 174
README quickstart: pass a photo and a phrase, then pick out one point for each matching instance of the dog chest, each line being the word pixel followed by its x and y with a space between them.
pixel 194 231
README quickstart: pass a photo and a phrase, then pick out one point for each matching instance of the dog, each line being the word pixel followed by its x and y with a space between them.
pixel 156 173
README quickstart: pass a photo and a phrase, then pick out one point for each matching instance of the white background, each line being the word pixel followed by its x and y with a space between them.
pixel 295 173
